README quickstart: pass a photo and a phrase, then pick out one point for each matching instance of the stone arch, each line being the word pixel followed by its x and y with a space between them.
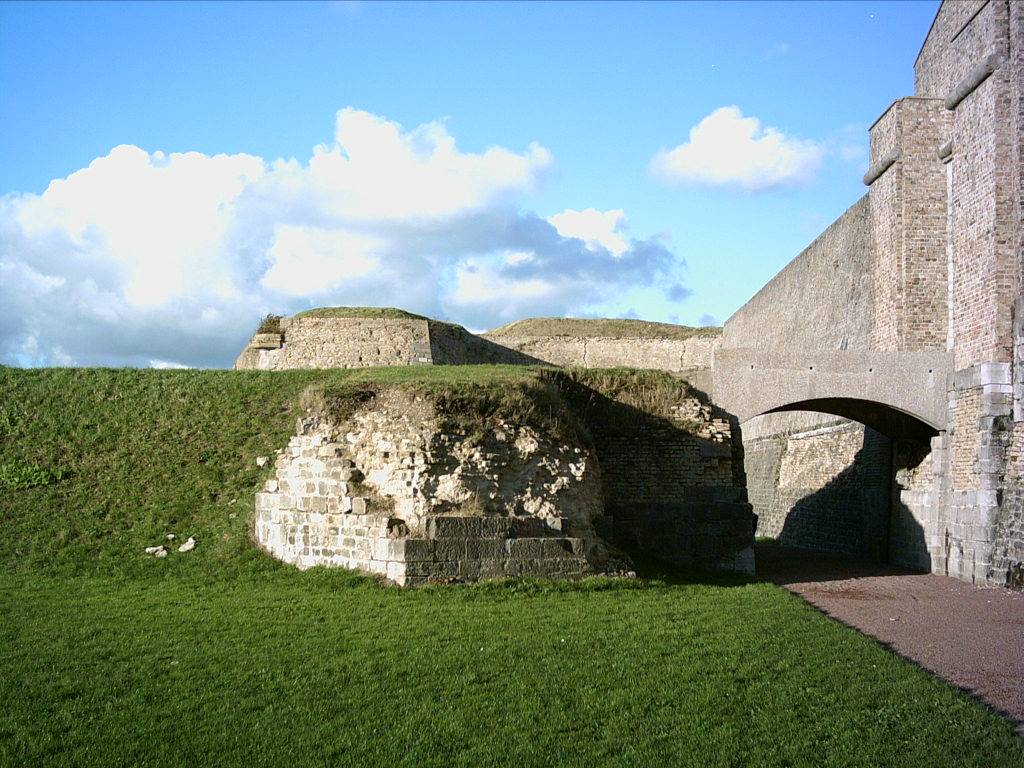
pixel 900 394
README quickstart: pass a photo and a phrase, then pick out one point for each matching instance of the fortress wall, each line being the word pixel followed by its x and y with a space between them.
pixel 797 309
pixel 973 60
pixel 454 345
pixel 908 223
pixel 673 485
pixel 597 352
pixel 342 342
pixel 826 488
pixel 985 189
pixel 801 467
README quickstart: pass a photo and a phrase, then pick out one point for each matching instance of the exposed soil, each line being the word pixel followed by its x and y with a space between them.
pixel 970 636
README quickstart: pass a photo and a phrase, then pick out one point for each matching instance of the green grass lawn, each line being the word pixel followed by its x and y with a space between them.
pixel 224 657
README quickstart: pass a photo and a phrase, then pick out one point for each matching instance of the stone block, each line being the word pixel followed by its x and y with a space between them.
pixel 414 550
pixel 556 548
pixel 447 527
pixel 525 548
pixel 485 549
pixel 396 571
pixel 495 527
pixel 449 550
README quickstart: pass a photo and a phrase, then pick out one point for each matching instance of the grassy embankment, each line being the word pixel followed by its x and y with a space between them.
pixel 607 328
pixel 223 657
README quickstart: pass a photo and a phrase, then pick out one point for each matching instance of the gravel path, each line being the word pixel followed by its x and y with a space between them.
pixel 970 636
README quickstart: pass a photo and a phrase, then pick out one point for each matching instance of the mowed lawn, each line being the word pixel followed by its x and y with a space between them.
pixel 318 669
pixel 223 657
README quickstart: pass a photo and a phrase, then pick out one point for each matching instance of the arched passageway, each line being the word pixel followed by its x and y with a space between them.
pixel 831 474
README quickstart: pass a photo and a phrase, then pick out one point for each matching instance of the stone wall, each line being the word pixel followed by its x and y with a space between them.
pixel 597 352
pixel 797 308
pixel 394 489
pixel 672 479
pixel 322 509
pixel 943 249
pixel 826 489
pixel 908 225
pixel 984 137
pixel 809 479
pixel 339 342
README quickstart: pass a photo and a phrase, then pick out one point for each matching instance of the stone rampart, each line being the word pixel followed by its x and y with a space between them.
pixel 312 341
pixel 603 352
pixel 823 299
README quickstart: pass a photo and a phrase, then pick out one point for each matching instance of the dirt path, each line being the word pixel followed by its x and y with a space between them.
pixel 970 636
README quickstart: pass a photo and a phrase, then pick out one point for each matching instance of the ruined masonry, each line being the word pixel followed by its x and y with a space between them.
pixel 311 514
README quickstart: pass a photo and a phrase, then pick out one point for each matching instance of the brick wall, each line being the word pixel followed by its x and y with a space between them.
pixel 908 222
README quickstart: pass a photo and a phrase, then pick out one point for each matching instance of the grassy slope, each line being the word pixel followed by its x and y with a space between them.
pixel 603 328
pixel 223 657
pixel 147 453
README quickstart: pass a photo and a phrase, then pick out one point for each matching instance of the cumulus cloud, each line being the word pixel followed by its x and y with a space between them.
pixel 728 149
pixel 598 229
pixel 147 258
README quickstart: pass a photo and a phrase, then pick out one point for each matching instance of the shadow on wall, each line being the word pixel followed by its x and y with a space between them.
pixel 859 512
pixel 454 345
pixel 673 488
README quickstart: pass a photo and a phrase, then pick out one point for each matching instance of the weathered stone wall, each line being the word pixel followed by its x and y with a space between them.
pixel 321 509
pixel 824 489
pixel 454 345
pixel 309 341
pixel 395 492
pixel 339 342
pixel 673 481
pixel 598 352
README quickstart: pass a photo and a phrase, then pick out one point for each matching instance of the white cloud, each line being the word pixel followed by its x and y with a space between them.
pixel 728 149
pixel 153 259
pixel 308 260
pixel 165 365
pixel 595 228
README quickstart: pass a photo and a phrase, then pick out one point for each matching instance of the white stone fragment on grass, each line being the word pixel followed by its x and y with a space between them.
pixel 153 550
pixel 189 545
pixel 262 461
pixel 160 552
pixel 170 537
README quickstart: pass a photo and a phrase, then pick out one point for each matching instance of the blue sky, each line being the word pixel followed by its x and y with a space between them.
pixel 578 98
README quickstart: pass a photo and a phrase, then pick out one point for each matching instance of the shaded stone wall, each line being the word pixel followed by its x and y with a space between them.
pixel 825 489
pixel 673 483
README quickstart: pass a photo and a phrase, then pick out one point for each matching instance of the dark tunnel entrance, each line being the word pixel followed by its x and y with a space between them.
pixel 831 477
